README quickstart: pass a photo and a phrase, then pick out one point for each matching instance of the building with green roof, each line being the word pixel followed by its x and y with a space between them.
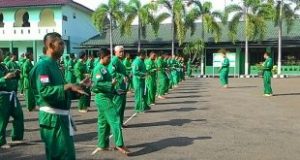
pixel 162 42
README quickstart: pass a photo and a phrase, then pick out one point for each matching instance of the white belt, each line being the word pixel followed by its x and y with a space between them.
pixel 61 112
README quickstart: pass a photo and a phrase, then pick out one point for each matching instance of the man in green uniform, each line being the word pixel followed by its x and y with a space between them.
pixel 70 78
pixel 224 69
pixel 118 71
pixel 127 63
pixel 151 78
pixel 27 66
pixel 108 116
pixel 90 64
pixel 9 105
pixel 13 66
pixel 21 81
pixel 166 65
pixel 52 96
pixel 162 77
pixel 189 68
pixel 139 75
pixel 174 71
pixel 81 73
pixel 267 74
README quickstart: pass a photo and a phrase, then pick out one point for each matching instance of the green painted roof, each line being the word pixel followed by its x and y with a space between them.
pixel 164 36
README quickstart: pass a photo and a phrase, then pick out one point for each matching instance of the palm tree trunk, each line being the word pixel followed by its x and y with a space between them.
pixel 246 44
pixel 202 50
pixel 279 40
pixel 110 35
pixel 139 34
pixel 173 33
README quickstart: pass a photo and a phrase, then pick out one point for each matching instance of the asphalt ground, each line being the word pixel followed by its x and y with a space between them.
pixel 199 120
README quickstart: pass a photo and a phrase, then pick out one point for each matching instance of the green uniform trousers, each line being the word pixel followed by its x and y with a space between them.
pixel 55 133
pixel 108 121
pixel 140 95
pixel 151 89
pixel 120 103
pixel 84 100
pixel 224 76
pixel 267 75
pixel 8 109
pixel 161 84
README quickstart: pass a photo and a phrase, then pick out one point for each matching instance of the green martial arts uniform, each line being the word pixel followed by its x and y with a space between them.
pixel 70 78
pixel 47 81
pixel 139 75
pixel 30 102
pixel 21 81
pixel 161 77
pixel 267 75
pixel 169 76
pixel 224 71
pixel 151 81
pixel 127 63
pixel 79 72
pixel 90 66
pixel 12 67
pixel 108 116
pixel 189 68
pixel 9 106
pixel 118 71
pixel 174 72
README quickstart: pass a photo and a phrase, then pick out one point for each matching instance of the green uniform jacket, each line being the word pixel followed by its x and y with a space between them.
pixel 70 78
pixel 268 64
pixel 138 69
pixel 79 71
pixel 118 71
pixel 90 66
pixel 102 82
pixel 27 66
pixel 127 63
pixel 13 66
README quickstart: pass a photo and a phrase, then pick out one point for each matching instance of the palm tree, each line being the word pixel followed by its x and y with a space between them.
pixel 177 10
pixel 254 14
pixel 285 12
pixel 209 23
pixel 145 15
pixel 193 49
pixel 113 11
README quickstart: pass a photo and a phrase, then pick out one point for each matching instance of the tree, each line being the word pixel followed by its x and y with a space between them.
pixel 113 11
pixel 285 12
pixel 177 10
pixel 209 23
pixel 254 14
pixel 194 49
pixel 145 16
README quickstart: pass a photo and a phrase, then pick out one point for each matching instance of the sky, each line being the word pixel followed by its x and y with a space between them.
pixel 218 5
pixel 93 4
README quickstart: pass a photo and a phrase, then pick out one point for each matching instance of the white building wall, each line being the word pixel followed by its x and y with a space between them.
pixel 77 29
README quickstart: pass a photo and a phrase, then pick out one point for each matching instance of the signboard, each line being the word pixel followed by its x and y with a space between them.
pixel 218 59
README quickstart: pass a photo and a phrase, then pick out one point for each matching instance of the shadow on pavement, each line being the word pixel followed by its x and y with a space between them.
pixel 85 136
pixel 165 143
pixel 184 102
pixel 242 87
pixel 172 122
pixel 188 109
pixel 287 94
pixel 188 96
pixel 86 121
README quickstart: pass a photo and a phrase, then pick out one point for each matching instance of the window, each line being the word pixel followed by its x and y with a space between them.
pixel 1 20
pixel 47 18
pixel 65 18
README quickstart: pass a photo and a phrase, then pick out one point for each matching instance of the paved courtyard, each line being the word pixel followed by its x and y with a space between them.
pixel 198 121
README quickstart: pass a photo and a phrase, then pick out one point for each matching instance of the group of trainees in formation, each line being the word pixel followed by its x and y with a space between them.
pixel 266 72
pixel 49 88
